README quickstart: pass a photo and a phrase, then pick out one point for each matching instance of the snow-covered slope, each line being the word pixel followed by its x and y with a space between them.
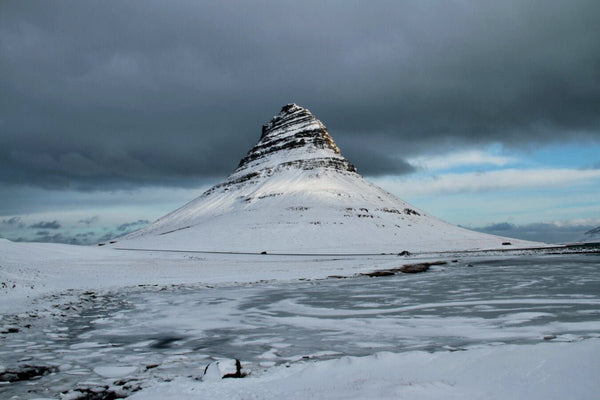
pixel 295 193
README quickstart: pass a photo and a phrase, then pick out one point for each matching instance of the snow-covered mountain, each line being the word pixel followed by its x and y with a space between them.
pixel 593 235
pixel 295 193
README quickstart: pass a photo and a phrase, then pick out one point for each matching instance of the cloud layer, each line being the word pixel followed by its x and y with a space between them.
pixel 548 232
pixel 104 95
pixel 90 230
pixel 497 180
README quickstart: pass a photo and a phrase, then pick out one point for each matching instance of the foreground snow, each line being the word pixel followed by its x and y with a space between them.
pixel 543 371
pixel 289 331
pixel 28 271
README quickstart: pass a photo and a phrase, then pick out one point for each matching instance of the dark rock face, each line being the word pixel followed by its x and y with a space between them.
pixel 293 116
pixel 410 211
pixel 293 127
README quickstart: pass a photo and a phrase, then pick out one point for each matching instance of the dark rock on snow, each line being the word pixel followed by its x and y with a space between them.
pixel 375 274
pixel 407 269
pixel 223 369
pixel 415 268
pixel 26 372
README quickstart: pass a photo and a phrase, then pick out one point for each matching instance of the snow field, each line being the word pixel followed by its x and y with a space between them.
pixel 543 371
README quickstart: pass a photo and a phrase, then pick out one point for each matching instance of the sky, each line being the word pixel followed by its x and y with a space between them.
pixel 483 113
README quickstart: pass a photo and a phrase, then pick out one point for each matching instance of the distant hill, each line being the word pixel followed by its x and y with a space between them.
pixel 593 235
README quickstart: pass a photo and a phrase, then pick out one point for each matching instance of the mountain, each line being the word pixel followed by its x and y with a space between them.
pixel 294 192
pixel 593 235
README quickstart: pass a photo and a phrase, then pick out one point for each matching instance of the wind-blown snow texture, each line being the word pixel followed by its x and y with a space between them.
pixel 295 193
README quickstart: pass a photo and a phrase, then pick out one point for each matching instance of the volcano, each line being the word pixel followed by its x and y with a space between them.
pixel 295 193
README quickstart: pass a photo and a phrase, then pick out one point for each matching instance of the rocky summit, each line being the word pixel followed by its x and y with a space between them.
pixel 294 192
pixel 294 127
pixel 294 138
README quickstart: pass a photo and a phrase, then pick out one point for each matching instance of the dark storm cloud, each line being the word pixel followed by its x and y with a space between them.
pixel 46 225
pixel 374 159
pixel 107 94
pixel 380 164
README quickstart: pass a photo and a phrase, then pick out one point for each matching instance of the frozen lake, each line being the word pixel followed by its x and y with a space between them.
pixel 154 333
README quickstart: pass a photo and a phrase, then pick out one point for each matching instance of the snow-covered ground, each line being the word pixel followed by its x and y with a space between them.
pixel 543 371
pixel 108 320
pixel 29 270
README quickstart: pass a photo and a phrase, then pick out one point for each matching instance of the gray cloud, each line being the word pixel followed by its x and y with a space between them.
pixel 128 226
pixel 14 222
pixel 46 225
pixel 377 163
pixel 47 237
pixel 85 234
pixel 500 227
pixel 103 95
pixel 89 221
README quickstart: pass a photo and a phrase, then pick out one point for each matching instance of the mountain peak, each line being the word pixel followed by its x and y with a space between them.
pixel 289 107
pixel 293 118
pixel 291 136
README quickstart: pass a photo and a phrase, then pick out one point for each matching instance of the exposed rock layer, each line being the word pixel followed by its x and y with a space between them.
pixel 289 137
